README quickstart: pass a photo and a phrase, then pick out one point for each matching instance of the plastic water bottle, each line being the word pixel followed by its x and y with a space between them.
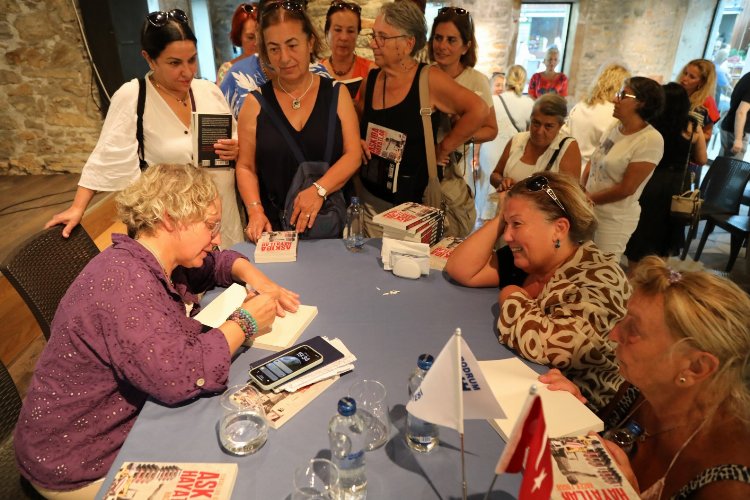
pixel 346 434
pixel 353 232
pixel 625 437
pixel 421 436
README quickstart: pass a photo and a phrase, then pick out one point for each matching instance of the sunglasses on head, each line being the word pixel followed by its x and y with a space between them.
pixel 288 5
pixel 453 10
pixel 621 94
pixel 159 18
pixel 541 183
pixel 337 5
pixel 248 8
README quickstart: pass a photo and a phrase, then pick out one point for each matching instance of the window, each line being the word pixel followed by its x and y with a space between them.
pixel 727 47
pixel 541 26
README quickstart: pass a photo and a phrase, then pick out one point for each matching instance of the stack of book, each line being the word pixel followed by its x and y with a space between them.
pixel 276 246
pixel 412 222
pixel 441 251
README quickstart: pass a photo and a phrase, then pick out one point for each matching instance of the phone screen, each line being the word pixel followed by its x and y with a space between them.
pixel 286 366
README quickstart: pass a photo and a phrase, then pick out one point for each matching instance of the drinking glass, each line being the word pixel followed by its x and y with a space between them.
pixel 370 396
pixel 317 480
pixel 243 428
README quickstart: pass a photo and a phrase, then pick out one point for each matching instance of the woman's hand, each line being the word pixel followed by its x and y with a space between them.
pixel 70 217
pixel 556 381
pixel 505 184
pixel 287 300
pixel 306 208
pixel 623 462
pixel 257 223
pixel 262 308
pixel 227 149
pixel 442 155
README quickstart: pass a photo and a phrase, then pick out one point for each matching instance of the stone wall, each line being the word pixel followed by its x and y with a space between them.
pixel 50 119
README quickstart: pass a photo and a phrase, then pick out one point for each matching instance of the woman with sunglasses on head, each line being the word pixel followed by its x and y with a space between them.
pixel 391 100
pixel 243 35
pixel 125 331
pixel 301 100
pixel 453 48
pixel 172 93
pixel 683 350
pixel 549 81
pixel 559 294
pixel 250 73
pixel 623 162
pixel 343 24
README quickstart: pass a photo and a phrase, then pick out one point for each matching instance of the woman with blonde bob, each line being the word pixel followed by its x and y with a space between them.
pixel 121 333
pixel 589 118
pixel 559 294
pixel 684 350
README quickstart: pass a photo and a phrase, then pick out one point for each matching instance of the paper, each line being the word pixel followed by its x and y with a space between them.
pixel 420 252
pixel 510 380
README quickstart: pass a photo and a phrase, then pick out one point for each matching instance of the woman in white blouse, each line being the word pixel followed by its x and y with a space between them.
pixel 172 94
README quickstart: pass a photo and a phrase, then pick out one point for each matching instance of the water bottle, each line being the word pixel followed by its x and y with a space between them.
pixel 353 232
pixel 625 437
pixel 346 434
pixel 421 436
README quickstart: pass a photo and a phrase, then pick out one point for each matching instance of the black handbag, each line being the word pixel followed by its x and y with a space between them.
pixel 330 220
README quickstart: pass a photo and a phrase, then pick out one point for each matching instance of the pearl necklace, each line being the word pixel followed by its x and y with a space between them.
pixel 296 101
pixel 183 101
pixel 156 256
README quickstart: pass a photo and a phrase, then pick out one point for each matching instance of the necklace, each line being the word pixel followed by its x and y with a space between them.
pixel 342 73
pixel 646 434
pixel 156 256
pixel 182 101
pixel 296 101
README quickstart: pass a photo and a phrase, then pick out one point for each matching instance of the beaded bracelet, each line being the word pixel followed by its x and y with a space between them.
pixel 245 321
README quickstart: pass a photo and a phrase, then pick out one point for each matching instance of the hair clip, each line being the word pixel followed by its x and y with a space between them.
pixel 674 276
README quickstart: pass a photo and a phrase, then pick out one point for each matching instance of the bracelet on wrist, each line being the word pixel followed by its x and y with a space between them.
pixel 245 321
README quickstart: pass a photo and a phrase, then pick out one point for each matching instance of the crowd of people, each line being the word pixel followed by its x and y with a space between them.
pixel 559 196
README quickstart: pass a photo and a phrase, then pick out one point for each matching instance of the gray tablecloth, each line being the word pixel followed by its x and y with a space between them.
pixel 387 332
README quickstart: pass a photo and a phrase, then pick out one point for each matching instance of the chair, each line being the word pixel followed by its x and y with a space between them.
pixel 42 268
pixel 738 227
pixel 12 484
pixel 721 191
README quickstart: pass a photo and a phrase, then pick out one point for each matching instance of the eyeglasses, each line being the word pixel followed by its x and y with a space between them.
pixel 159 18
pixel 248 8
pixel 286 5
pixel 214 227
pixel 541 183
pixel 337 5
pixel 621 94
pixel 381 39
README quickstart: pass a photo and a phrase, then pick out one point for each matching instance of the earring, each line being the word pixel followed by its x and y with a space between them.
pixel 683 380
pixel 557 243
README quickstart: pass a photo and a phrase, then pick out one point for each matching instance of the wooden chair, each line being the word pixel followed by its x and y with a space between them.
pixel 42 268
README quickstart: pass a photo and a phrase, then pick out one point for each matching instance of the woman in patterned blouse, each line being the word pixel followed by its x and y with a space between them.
pixel 559 294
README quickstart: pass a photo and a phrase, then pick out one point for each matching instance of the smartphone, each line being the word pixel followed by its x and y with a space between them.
pixel 285 367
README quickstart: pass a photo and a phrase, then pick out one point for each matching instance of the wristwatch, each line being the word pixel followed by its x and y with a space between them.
pixel 322 192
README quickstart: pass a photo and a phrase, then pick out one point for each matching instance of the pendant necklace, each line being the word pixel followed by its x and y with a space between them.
pixel 182 101
pixel 342 73
pixel 296 101
pixel 156 256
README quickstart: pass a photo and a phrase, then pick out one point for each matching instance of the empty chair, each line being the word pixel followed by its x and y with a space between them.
pixel 738 227
pixel 42 268
pixel 721 191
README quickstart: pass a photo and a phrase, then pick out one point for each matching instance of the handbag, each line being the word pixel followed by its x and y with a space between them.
pixel 451 194
pixel 330 220
pixel 687 204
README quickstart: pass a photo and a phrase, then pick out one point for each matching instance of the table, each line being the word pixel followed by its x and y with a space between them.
pixel 387 332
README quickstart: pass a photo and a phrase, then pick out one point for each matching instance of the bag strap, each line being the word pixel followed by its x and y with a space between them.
pixel 551 162
pixel 507 112
pixel 687 160
pixel 425 110
pixel 276 120
pixel 139 123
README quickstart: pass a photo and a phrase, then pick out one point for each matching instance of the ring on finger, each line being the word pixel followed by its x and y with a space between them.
pixel 307 215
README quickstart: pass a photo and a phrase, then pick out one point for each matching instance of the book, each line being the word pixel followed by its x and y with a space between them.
pixel 407 217
pixel 510 380
pixel 282 334
pixel 352 85
pixel 208 128
pixel 164 481
pixel 386 148
pixel 276 246
pixel 583 468
pixel 441 251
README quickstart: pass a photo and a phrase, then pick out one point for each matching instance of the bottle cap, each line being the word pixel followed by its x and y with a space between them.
pixel 424 362
pixel 347 406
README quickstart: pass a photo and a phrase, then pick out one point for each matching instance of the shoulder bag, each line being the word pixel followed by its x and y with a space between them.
pixel 452 194
pixel 329 223
pixel 687 204
pixel 507 112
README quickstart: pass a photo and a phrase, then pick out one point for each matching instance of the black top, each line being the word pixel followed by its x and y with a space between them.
pixel 403 117
pixel 507 271
pixel 740 93
pixel 275 162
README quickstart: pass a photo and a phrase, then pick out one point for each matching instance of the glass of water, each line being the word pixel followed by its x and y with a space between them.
pixel 243 428
pixel 316 480
pixel 370 396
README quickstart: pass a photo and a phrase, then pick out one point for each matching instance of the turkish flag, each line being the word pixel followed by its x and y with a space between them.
pixel 528 450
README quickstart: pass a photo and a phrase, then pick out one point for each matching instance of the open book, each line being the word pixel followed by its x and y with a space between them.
pixel 510 380
pixel 166 480
pixel 283 333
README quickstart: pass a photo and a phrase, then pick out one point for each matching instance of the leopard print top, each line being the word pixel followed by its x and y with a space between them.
pixel 568 324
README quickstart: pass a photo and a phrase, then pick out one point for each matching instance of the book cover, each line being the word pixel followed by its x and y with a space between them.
pixel 510 380
pixel 386 148
pixel 276 246
pixel 165 481
pixel 405 217
pixel 285 330
pixel 208 128
pixel 583 468
pixel 442 250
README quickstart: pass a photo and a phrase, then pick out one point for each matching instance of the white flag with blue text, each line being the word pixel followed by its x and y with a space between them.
pixel 454 388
